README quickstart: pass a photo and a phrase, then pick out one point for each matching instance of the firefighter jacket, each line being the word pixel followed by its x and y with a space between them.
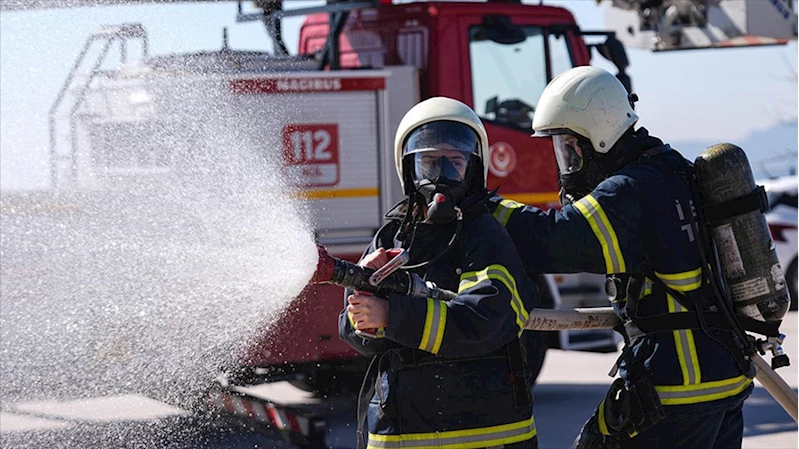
pixel 636 223
pixel 444 377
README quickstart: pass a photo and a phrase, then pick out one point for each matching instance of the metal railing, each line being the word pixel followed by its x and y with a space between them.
pixel 79 84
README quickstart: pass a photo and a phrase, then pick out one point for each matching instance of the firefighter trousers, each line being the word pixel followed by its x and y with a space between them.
pixel 713 425
pixel 532 443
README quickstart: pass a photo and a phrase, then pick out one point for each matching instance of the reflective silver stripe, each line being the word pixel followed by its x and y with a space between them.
pixel 683 282
pixel 472 438
pixel 703 392
pixel 686 348
pixel 505 209
pixel 434 323
pixel 592 211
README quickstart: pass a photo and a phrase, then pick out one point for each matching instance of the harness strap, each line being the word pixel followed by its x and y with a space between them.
pixel 766 328
pixel 755 200
pixel 667 322
pixel 721 331
pixel 371 384
pixel 720 325
pixel 364 396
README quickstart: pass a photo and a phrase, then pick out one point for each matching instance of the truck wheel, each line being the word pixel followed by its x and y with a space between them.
pixel 536 345
pixel 791 278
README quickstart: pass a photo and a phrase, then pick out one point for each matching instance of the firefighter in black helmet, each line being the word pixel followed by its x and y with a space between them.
pixel 628 213
pixel 446 374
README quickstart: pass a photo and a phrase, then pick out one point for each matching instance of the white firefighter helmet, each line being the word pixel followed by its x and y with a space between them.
pixel 588 101
pixel 455 122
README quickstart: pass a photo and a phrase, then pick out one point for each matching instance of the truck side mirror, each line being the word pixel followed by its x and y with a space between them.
pixel 613 50
pixel 500 30
pixel 492 105
pixel 626 82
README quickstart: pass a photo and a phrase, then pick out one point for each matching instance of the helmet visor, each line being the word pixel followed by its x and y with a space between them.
pixel 441 150
pixel 568 153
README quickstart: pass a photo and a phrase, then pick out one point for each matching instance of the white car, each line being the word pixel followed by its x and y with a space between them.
pixel 781 218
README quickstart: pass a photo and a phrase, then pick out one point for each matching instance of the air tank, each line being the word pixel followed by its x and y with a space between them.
pixel 747 253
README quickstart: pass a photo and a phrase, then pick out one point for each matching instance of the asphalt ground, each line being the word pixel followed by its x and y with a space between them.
pixel 569 388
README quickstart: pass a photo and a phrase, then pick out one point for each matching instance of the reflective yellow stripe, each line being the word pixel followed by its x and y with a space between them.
pixel 326 194
pixel 534 198
pixel 500 273
pixel 598 220
pixel 603 426
pixel 465 439
pixel 505 210
pixel 686 348
pixel 702 392
pixel 434 323
pixel 682 282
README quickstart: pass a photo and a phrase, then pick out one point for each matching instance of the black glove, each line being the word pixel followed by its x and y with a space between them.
pixel 631 408
pixel 591 438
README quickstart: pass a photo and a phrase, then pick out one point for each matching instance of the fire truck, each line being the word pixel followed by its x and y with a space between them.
pixel 360 66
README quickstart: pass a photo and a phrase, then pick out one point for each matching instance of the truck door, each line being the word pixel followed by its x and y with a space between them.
pixel 509 64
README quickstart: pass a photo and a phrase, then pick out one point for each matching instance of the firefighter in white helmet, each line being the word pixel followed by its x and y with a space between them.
pixel 628 213
pixel 447 374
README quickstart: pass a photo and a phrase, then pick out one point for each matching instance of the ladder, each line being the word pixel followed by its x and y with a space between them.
pixel 62 124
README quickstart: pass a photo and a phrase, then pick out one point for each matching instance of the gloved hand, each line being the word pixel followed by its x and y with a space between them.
pixel 591 437
pixel 627 410
pixel 631 408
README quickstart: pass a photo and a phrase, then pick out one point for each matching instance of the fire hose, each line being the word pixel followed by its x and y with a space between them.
pixel 388 280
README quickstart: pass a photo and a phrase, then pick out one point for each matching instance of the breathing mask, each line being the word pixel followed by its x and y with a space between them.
pixel 580 170
pixel 438 157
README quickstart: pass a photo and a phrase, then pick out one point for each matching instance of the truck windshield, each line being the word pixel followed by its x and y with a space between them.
pixel 508 77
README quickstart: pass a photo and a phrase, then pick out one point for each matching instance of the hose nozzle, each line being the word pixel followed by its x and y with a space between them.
pixel 330 269
pixel 324 266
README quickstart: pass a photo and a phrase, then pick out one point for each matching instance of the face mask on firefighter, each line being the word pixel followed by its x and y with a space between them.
pixel 440 151
pixel 438 155
pixel 568 152
pixel 580 171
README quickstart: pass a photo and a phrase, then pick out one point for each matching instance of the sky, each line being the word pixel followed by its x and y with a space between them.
pixel 696 95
